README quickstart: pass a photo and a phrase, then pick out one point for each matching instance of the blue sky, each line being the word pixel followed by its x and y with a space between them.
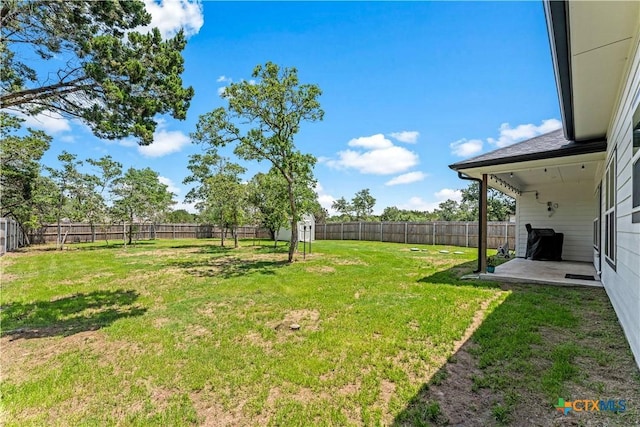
pixel 408 88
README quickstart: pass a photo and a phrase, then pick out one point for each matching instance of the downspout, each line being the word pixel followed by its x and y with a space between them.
pixel 480 213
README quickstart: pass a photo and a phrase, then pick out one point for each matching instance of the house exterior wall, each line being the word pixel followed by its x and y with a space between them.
pixel 573 217
pixel 622 283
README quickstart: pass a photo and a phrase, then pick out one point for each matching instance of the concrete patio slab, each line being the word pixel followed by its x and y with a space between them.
pixel 520 270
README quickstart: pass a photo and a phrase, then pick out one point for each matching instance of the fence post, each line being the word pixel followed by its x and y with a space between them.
pixel 406 224
pixel 342 231
pixel 506 233
pixel 325 231
pixel 5 226
pixel 381 226
pixel 433 239
pixel 467 233
pixel 359 230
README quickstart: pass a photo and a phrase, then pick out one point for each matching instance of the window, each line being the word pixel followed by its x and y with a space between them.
pixel 596 222
pixel 635 173
pixel 610 212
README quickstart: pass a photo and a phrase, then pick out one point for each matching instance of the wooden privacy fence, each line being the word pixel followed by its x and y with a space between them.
pixel 428 233
pixel 11 236
pixel 452 233
pixel 82 232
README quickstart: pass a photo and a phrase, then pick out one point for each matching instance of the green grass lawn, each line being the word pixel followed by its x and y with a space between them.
pixel 180 332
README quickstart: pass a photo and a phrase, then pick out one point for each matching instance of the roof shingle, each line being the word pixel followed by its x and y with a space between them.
pixel 547 146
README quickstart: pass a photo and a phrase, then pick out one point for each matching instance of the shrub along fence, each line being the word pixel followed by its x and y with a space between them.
pixel 452 233
pixel 83 232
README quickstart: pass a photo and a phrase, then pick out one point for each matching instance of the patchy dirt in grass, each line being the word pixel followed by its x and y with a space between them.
pixel 306 319
pixel 343 261
pixel 211 413
pixel 387 390
pixel 156 253
pixel 161 322
pixel 18 353
pixel 605 369
pixel 324 269
pixel 232 266
pixel 256 339
pixel 6 277
pixel 196 332
pixel 214 309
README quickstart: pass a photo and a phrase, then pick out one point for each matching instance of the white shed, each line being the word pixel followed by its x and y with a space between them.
pixel 306 230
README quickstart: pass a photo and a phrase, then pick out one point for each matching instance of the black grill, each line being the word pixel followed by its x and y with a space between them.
pixel 544 244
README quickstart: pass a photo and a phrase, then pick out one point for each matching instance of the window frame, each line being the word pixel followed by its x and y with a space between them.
pixel 597 231
pixel 610 210
pixel 635 167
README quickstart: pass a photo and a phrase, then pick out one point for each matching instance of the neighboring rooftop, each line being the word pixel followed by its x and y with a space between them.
pixel 547 146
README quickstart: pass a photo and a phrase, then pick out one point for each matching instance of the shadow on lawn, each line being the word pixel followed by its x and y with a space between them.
pixel 452 276
pixel 539 344
pixel 228 267
pixel 69 315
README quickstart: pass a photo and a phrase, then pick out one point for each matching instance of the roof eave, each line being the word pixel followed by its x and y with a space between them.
pixel 557 17
pixel 597 146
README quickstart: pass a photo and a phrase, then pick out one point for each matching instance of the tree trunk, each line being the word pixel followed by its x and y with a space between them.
pixel 293 243
pixel 59 238
pixel 93 232
pixel 235 238
pixel 130 228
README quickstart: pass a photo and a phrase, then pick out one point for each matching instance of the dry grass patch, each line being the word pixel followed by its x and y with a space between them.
pixel 306 319
pixel 323 269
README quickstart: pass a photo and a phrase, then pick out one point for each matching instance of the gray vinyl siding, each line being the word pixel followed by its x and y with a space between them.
pixel 623 282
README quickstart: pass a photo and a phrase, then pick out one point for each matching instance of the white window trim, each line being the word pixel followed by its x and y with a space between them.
pixel 635 120
pixel 635 211
pixel 610 250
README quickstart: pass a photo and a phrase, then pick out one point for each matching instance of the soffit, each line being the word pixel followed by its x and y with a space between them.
pixel 600 36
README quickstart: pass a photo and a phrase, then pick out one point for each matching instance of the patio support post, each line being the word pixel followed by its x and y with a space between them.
pixel 483 224
pixel 482 183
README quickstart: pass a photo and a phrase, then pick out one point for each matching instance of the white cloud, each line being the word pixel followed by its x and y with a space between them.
pixel 221 90
pixel 48 121
pixel 373 142
pixel 466 148
pixel 224 79
pixel 509 135
pixel 380 157
pixel 419 204
pixel 325 200
pixel 448 194
pixel 171 186
pixel 164 142
pixel 407 178
pixel 410 137
pixel 169 16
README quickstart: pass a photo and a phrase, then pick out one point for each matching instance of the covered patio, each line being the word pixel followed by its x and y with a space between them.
pixel 554 182
pixel 520 270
